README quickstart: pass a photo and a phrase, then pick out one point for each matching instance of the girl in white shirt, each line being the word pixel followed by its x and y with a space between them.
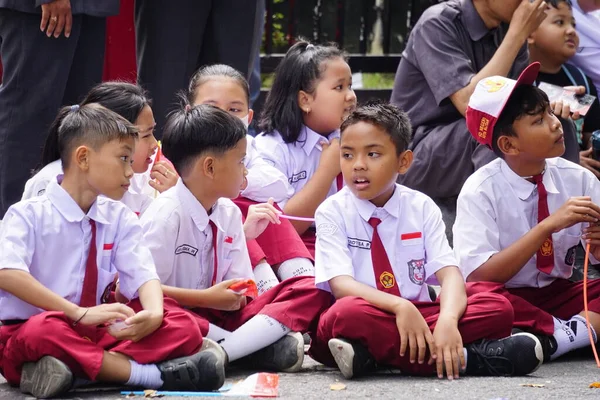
pixel 311 96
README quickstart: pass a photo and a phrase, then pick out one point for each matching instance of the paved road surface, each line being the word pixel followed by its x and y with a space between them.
pixel 562 380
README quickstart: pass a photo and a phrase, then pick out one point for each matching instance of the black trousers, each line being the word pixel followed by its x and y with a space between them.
pixel 40 75
pixel 175 38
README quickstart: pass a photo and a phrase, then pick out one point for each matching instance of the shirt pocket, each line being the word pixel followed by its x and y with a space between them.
pixel 411 259
pixel 566 248
pixel 106 258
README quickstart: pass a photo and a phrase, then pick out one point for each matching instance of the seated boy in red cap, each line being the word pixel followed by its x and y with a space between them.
pixel 521 217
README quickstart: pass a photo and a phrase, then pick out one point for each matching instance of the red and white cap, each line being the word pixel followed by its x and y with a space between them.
pixel 488 100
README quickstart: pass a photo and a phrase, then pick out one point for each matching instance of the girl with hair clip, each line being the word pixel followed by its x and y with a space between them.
pixel 131 102
pixel 279 248
pixel 311 96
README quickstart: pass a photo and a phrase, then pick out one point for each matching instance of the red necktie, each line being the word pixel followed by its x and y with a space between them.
pixel 384 275
pixel 90 281
pixel 213 226
pixel 545 254
pixel 339 180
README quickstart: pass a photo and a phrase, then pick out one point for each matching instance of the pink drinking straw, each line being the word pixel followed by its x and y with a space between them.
pixel 306 219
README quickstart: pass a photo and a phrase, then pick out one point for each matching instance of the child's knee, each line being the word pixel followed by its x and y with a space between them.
pixel 495 305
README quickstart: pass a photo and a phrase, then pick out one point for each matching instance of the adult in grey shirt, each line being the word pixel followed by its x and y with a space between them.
pixel 52 53
pixel 452 47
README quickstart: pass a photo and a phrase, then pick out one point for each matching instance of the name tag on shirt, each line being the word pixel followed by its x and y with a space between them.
pixel 360 243
pixel 298 177
pixel 411 238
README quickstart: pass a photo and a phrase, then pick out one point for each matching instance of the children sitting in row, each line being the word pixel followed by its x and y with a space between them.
pixel 311 96
pixel 378 244
pixel 54 279
pixel 279 248
pixel 521 218
pixel 198 242
pixel 131 102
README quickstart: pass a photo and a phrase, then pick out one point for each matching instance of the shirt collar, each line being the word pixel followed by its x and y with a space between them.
pixel 473 21
pixel 195 209
pixel 69 209
pixel 524 188
pixel 366 209
pixel 310 139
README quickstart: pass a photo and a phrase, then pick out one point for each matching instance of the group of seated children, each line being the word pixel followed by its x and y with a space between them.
pixel 89 292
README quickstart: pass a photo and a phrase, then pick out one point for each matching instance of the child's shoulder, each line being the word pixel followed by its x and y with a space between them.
pixel 269 139
pixel 568 170
pixel 36 185
pixel 226 207
pixel 483 177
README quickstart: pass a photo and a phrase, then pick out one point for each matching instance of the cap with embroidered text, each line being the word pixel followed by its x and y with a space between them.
pixel 489 99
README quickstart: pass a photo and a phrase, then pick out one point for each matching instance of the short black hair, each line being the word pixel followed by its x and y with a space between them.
pixel 91 125
pixel 387 117
pixel 188 133
pixel 204 74
pixel 524 100
pixel 126 99
pixel 300 69
pixel 555 3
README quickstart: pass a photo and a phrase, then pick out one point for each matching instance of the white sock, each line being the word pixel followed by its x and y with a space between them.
pixel 571 335
pixel 295 267
pixel 265 277
pixel 216 333
pixel 259 332
pixel 144 375
pixel 558 323
pixel 462 371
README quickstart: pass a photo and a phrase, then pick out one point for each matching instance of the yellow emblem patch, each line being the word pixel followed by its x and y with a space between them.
pixel 493 85
pixel 546 248
pixel 387 280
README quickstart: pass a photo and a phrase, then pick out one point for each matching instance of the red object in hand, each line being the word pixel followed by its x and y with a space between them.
pixel 246 287
pixel 158 156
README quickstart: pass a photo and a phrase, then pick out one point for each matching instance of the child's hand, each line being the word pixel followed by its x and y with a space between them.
pixel 330 157
pixel 574 211
pixel 449 348
pixel 222 298
pixel 414 333
pixel 140 325
pixel 587 161
pixel 163 176
pixel 259 217
pixel 527 18
pixel 563 111
pixel 591 235
pixel 102 314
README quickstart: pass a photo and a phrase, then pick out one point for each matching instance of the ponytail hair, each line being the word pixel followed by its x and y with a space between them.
pixel 301 69
pixel 126 99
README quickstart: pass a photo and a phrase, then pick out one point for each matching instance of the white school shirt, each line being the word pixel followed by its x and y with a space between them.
pixel 297 161
pixel 177 230
pixel 496 207
pixel 138 197
pixel 49 236
pixel 412 232
pixel 264 180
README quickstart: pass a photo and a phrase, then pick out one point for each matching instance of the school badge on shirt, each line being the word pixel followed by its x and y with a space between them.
pixel 416 271
pixel 387 280
pixel 546 248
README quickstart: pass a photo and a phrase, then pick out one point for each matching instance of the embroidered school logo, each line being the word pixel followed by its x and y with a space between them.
pixel 187 249
pixel 387 280
pixel 416 271
pixel 493 85
pixel 483 127
pixel 326 229
pixel 359 243
pixel 546 248
pixel 298 177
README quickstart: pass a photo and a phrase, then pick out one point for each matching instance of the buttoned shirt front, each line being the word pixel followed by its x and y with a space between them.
pixel 412 233
pixel 178 233
pixel 297 161
pixel 496 207
pixel 49 237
